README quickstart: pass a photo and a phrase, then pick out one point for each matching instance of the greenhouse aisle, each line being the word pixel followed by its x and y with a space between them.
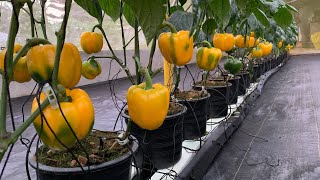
pixel 285 121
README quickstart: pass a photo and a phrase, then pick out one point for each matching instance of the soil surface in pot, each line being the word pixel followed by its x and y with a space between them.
pixel 101 147
pixel 212 83
pixel 190 95
pixel 174 108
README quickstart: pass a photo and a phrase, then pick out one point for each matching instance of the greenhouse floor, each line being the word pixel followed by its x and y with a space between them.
pixel 279 139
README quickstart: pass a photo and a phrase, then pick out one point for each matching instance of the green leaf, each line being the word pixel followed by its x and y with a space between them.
pixel 150 15
pixel 209 26
pixel 241 4
pixel 182 2
pixel 253 22
pixel 181 20
pixel 283 17
pixel 261 16
pixel 220 8
pixel 175 8
pixel 111 8
pixel 292 8
pixel 128 14
pixel 92 7
pixel 272 6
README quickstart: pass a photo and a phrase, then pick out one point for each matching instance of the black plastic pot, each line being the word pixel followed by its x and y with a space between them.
pixel 117 169
pixel 233 90
pixel 160 148
pixel 244 83
pixel 218 101
pixel 195 119
pixel 256 73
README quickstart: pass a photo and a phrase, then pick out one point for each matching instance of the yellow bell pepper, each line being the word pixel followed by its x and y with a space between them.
pixel 176 47
pixel 266 48
pixel 148 103
pixel 91 42
pixel 224 42
pixel 20 70
pixel 40 61
pixel 208 57
pixel 79 113
pixel 256 52
pixel 239 41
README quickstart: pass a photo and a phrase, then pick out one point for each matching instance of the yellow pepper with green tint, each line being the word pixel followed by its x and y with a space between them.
pixel 79 112
pixel 148 103
pixel 256 52
pixel 91 42
pixel 176 47
pixel 20 70
pixel 40 61
pixel 208 57
pixel 224 42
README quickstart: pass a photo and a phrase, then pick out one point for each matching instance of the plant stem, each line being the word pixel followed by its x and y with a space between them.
pixel 137 50
pixel 119 61
pixel 177 72
pixel 122 34
pixel 153 49
pixel 8 71
pixel 61 34
pixel 15 135
pixel 169 25
pixel 32 22
pixel 43 20
pixel 147 77
pixel 206 44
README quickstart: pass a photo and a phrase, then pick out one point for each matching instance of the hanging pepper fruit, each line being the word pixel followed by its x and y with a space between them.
pixel 79 113
pixel 148 103
pixel 91 42
pixel 239 41
pixel 266 48
pixel 252 34
pixel 233 65
pixel 90 69
pixel 208 57
pixel 280 44
pixel 40 61
pixel 20 70
pixel 256 52
pixel 224 42
pixel 176 47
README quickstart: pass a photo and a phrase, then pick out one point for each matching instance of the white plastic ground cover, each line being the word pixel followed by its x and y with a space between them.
pixel 190 147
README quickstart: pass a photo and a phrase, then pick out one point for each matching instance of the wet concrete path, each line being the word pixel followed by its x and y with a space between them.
pixel 285 121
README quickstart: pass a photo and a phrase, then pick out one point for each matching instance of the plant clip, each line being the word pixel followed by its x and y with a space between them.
pixel 122 142
pixel 48 91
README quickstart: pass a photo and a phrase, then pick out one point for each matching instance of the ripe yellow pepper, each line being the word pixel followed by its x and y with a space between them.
pixel 279 45
pixel 91 42
pixel 224 42
pixel 256 52
pixel 208 57
pixel 79 113
pixel 266 48
pixel 20 70
pixel 148 104
pixel 176 48
pixel 239 41
pixel 40 61
pixel 250 41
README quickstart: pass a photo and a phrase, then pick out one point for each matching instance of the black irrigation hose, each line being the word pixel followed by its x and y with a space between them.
pixel 27 157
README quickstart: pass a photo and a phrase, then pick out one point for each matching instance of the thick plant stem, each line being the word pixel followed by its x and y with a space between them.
pixel 43 20
pixel 177 72
pixel 153 49
pixel 137 50
pixel 3 109
pixel 61 34
pixel 15 135
pixel 32 22
pixel 122 35
pixel 147 77
pixel 8 71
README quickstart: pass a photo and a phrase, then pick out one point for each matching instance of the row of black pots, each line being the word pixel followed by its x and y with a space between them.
pixel 162 148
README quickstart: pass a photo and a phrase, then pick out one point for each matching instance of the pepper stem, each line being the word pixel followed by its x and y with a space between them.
pixel 147 77
pixel 206 44
pixel 169 25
